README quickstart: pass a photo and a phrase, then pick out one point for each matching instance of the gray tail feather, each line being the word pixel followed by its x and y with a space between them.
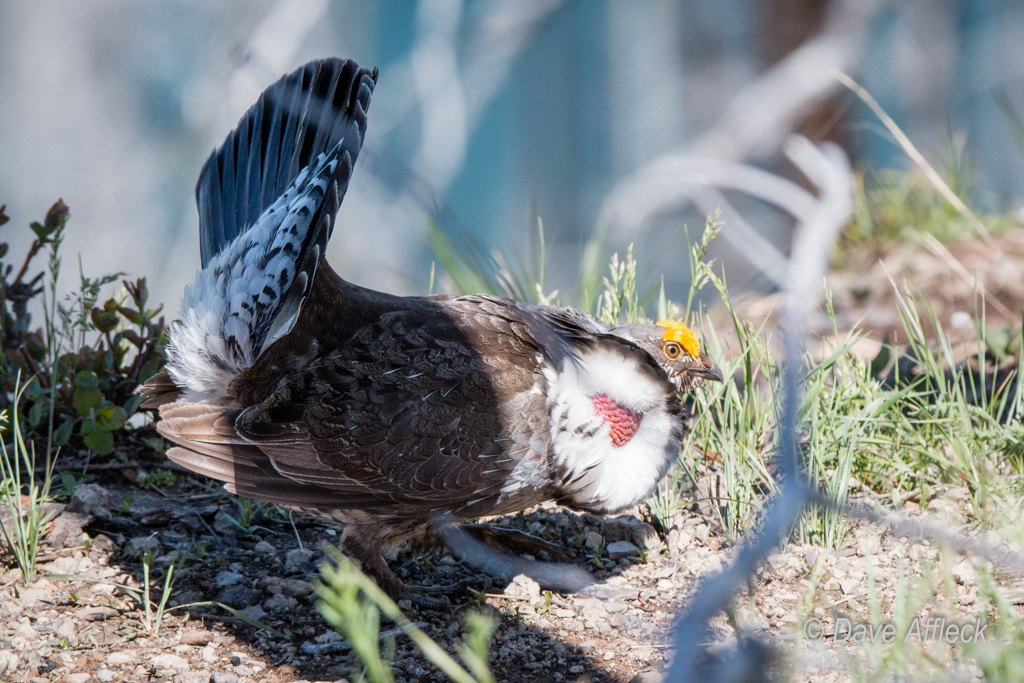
pixel 302 115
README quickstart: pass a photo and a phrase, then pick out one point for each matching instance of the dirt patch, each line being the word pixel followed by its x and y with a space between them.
pixel 958 280
pixel 620 630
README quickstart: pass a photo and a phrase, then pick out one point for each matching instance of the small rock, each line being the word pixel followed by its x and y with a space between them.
pixel 26 631
pixel 209 654
pixel 193 677
pixel 66 530
pixel 66 629
pixel 639 533
pixel 169 661
pixel 614 607
pixel 76 678
pixel 564 613
pixel 621 549
pixel 848 585
pixel 665 585
pixel 264 548
pixel 102 543
pixel 105 675
pixel 523 586
pixel 238 596
pixel 296 560
pixel 141 544
pixel 8 661
pixel 712 565
pixel 10 608
pixel 195 637
pixel 964 573
pixel 226 578
pixel 90 499
pixel 329 637
pixel 663 573
pixel 593 542
pixel 646 677
pixel 559 519
pixel 593 609
pixel 223 523
pixel 868 545
pixel 31 596
pixel 578 669
pixel 122 658
pixel 280 603
pixel 223 677
pixel 254 612
pixel 296 588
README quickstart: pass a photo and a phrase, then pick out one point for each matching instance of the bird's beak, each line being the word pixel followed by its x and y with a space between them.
pixel 711 372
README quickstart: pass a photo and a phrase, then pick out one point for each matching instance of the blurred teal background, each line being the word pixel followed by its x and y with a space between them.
pixel 487 114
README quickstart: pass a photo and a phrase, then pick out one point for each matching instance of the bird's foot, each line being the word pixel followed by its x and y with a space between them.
pixel 438 597
pixel 452 588
pixel 418 598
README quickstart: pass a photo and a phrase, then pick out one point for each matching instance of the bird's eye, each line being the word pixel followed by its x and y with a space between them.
pixel 673 350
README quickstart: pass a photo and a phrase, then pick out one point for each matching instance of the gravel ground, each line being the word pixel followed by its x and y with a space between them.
pixel 78 631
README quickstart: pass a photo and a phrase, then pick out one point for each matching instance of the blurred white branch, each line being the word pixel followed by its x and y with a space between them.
pixel 215 100
pixel 270 52
pixel 827 167
pixel 754 124
pixel 435 70
pixel 452 100
pixel 819 221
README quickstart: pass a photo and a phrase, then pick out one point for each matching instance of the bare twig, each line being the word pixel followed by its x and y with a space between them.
pixel 755 122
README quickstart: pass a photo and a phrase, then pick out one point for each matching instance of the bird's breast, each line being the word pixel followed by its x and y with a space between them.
pixel 615 431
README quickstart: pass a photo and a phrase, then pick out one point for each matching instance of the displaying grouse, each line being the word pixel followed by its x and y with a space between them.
pixel 298 388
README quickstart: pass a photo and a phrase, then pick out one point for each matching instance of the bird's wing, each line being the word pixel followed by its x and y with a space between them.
pixel 209 444
pixel 429 408
pixel 573 324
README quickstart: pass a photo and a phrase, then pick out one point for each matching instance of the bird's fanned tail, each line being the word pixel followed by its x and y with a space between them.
pixel 267 203
pixel 301 116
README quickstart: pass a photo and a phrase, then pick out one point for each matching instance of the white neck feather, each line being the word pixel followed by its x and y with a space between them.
pixel 592 471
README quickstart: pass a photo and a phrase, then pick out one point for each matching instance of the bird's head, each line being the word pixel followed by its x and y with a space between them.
pixel 676 349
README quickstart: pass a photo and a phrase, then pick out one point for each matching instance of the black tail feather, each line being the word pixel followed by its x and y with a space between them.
pixel 301 116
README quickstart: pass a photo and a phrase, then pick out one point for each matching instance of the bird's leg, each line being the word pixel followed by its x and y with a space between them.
pixel 514 540
pixel 368 552
pixel 453 588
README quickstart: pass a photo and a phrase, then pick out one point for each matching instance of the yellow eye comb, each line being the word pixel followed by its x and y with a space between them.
pixel 677 331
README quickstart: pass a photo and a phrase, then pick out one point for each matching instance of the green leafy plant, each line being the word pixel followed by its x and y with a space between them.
pixel 159 479
pixel 81 369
